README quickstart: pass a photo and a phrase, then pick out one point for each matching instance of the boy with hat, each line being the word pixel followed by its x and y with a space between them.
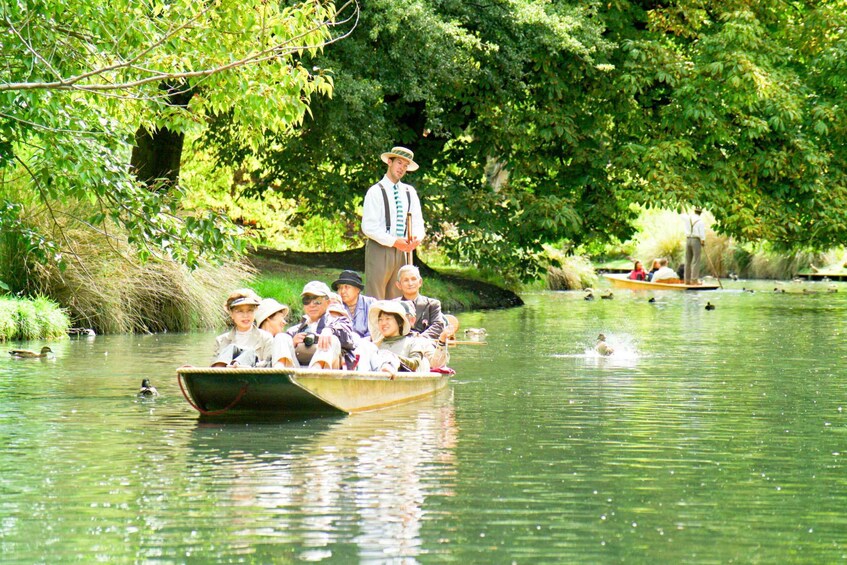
pixel 387 206
pixel 349 287
pixel 244 345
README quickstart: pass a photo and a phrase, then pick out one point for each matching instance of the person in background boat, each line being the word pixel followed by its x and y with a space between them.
pixel 244 345
pixel 665 273
pixel 695 240
pixel 429 321
pixel 320 339
pixel 638 273
pixel 387 206
pixel 349 287
pixel 389 329
pixel 435 350
pixel 272 316
pixel 655 267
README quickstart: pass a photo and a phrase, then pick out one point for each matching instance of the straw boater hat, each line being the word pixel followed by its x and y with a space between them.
pixel 392 307
pixel 403 153
pixel 267 308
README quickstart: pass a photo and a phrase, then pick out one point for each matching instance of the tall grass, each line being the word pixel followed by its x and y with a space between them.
pixel 569 272
pixel 26 319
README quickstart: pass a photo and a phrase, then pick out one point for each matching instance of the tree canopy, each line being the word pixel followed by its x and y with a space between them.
pixel 78 78
pixel 534 121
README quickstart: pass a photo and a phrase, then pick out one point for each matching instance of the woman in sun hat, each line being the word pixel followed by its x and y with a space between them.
pixel 349 287
pixel 244 345
pixel 272 316
pixel 390 333
pixel 388 207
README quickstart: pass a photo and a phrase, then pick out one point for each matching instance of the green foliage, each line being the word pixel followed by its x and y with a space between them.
pixel 24 319
pixel 72 102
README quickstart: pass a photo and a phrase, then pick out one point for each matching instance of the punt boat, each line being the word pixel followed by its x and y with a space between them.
pixel 623 281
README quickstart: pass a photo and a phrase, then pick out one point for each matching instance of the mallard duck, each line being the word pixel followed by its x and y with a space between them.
pixel 27 354
pixel 147 389
pixel 607 296
pixel 710 306
pixel 602 347
pixel 589 294
pixel 652 299
pixel 81 332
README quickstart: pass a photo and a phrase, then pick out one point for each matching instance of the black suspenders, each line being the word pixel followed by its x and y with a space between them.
pixel 385 201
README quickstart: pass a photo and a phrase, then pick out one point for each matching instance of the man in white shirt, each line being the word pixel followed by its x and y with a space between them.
pixel 665 273
pixel 695 239
pixel 390 208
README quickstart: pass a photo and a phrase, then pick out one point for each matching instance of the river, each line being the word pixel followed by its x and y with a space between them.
pixel 707 437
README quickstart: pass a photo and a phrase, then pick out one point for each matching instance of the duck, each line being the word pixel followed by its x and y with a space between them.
pixel 476 334
pixel 81 332
pixel 779 290
pixel 607 296
pixel 710 306
pixel 589 294
pixel 652 299
pixel 27 354
pixel 602 347
pixel 750 290
pixel 147 390
pixel 733 276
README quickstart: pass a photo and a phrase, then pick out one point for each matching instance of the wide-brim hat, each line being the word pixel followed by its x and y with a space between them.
pixel 349 277
pixel 392 307
pixel 242 296
pixel 403 153
pixel 316 288
pixel 267 308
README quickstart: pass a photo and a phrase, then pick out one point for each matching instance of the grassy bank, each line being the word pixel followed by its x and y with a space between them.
pixel 284 282
pixel 25 319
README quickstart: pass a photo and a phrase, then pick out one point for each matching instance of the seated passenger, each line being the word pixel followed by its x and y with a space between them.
pixel 272 317
pixel 638 273
pixel 397 351
pixel 349 286
pixel 435 351
pixel 321 339
pixel 429 321
pixel 655 267
pixel 664 273
pixel 244 345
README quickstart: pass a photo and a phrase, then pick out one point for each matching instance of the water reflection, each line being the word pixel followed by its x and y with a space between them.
pixel 326 482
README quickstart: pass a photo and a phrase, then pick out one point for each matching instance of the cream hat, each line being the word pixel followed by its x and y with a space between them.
pixel 316 288
pixel 403 153
pixel 267 308
pixel 392 307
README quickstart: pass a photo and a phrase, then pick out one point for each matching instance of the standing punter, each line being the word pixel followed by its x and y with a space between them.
pixel 391 214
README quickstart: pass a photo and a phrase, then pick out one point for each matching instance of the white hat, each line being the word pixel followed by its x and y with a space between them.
pixel 403 153
pixel 242 296
pixel 392 307
pixel 267 308
pixel 316 288
pixel 337 308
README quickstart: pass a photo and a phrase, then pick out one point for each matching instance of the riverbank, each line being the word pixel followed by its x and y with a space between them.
pixel 283 273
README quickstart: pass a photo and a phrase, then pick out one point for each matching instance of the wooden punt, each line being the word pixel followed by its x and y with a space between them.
pixel 280 392
pixel 623 281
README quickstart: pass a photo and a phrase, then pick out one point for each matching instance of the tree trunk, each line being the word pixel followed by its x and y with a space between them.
pixel 156 157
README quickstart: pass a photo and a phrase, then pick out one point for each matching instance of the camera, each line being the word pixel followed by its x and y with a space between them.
pixel 310 339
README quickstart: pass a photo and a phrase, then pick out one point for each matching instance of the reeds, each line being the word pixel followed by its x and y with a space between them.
pixel 569 272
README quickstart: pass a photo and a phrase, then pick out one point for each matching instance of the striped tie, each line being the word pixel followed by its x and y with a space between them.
pixel 398 205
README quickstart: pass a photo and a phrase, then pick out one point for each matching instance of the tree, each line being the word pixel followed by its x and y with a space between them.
pixel 515 86
pixel 79 78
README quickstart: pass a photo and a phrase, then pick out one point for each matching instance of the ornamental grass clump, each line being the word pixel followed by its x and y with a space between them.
pixel 8 319
pixel 568 272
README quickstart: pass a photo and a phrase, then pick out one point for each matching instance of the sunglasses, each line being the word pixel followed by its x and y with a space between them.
pixel 311 300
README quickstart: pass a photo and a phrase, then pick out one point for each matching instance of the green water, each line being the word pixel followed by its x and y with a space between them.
pixel 708 437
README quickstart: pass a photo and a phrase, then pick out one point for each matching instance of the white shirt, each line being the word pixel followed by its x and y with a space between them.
pixel 694 227
pixel 664 273
pixel 373 212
